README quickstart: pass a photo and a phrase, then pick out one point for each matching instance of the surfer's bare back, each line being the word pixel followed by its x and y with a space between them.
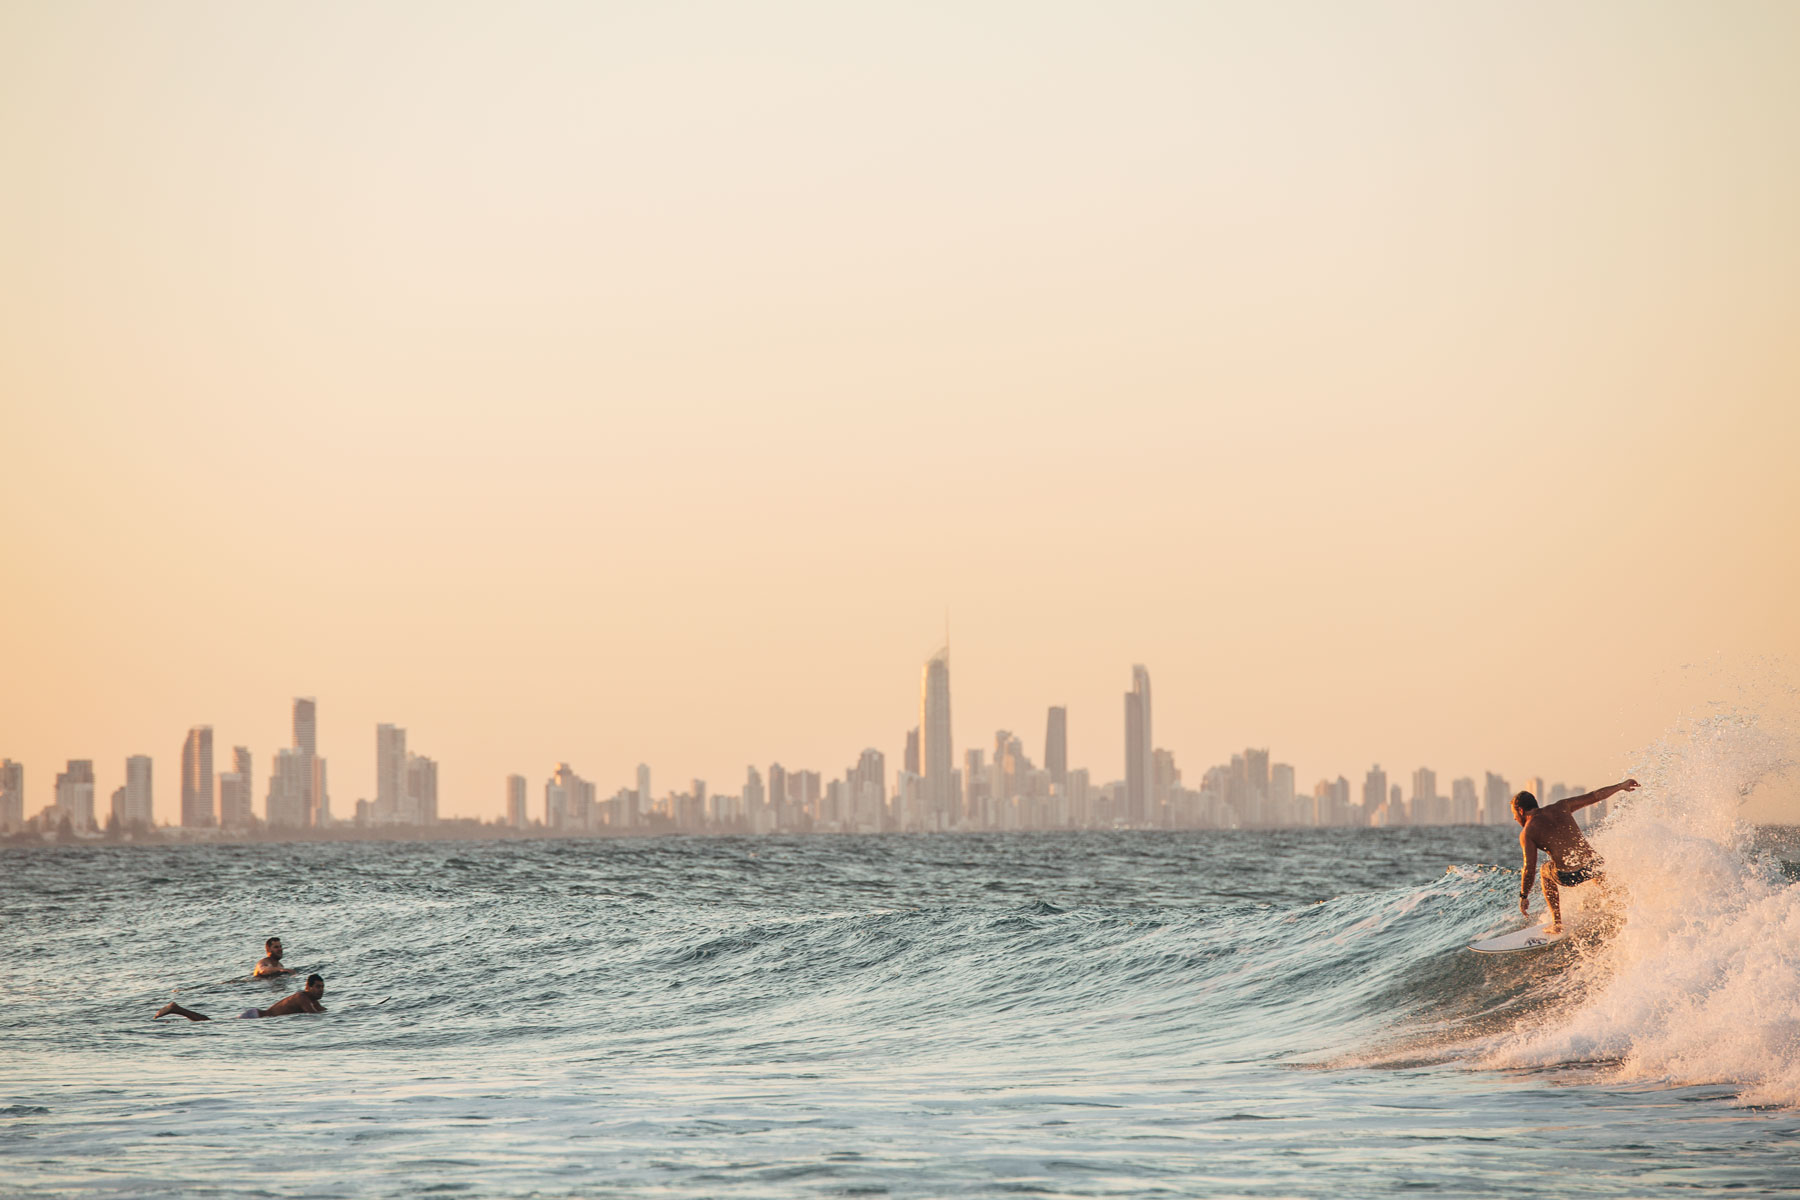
pixel 1553 830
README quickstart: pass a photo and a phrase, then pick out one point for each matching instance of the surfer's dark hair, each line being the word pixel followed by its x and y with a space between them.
pixel 312 979
pixel 267 942
pixel 1525 802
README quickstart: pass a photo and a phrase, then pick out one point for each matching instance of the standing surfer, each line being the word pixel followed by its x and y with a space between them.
pixel 1553 830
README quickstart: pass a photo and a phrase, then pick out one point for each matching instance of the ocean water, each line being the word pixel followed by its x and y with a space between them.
pixel 1122 1014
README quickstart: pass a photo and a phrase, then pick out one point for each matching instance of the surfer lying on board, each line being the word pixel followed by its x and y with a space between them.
pixel 1553 830
pixel 272 964
pixel 306 1000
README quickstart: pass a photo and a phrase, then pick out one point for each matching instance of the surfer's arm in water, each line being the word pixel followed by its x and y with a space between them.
pixel 1582 801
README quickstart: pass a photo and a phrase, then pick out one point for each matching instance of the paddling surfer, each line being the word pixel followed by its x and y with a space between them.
pixel 271 965
pixel 306 1000
pixel 1553 831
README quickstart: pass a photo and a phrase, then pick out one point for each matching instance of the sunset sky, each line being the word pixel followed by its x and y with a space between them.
pixel 1414 383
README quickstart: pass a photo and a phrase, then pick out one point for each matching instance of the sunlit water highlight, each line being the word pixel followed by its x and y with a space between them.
pixel 1099 1014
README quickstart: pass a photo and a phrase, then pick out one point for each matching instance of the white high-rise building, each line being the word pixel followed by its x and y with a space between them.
pixel 515 802
pixel 75 794
pixel 234 800
pixel 1464 808
pixel 1140 755
pixel 237 789
pixel 1496 800
pixel 1281 795
pixel 937 758
pixel 139 805
pixel 421 790
pixel 306 741
pixel 290 790
pixel 644 798
pixel 561 793
pixel 1425 798
pixel 197 779
pixel 390 774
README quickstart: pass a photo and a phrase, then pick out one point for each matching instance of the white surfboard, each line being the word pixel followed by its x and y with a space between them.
pixel 1531 937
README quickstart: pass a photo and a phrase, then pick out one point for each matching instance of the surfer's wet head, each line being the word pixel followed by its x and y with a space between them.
pixel 1523 804
pixel 272 946
pixel 315 986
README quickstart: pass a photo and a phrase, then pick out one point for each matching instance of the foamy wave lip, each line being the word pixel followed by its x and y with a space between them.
pixel 1701 983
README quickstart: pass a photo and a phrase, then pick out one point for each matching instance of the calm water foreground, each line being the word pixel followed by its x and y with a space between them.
pixel 1207 1014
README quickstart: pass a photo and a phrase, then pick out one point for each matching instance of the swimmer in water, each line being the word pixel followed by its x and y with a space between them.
pixel 1553 830
pixel 272 964
pixel 306 1000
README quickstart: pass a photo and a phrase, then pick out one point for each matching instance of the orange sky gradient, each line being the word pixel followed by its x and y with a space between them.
pixel 1412 383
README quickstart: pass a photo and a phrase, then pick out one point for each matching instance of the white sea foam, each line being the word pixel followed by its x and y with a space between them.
pixel 1700 984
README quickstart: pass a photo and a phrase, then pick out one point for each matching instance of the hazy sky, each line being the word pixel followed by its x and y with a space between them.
pixel 1412 383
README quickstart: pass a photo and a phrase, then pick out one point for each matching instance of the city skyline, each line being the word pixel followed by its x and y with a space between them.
pixel 1010 792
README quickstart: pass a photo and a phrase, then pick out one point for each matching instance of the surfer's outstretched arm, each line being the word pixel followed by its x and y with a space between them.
pixel 1582 801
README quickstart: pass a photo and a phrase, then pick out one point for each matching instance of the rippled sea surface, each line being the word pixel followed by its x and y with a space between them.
pixel 1206 1014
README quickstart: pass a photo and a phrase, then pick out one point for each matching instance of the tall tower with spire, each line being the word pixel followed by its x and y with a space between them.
pixel 937 759
pixel 1140 769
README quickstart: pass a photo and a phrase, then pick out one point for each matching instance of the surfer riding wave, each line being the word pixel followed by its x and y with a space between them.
pixel 1553 831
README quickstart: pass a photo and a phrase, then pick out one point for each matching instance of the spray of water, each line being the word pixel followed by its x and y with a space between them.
pixel 1700 981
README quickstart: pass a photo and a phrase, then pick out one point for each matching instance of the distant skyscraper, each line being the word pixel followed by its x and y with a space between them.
pixel 1140 764
pixel 1056 746
pixel 1496 800
pixel 234 799
pixel 1465 809
pixel 1281 795
pixel 778 791
pixel 1374 793
pixel 909 761
pixel 975 787
pixel 563 796
pixel 755 801
pixel 1256 780
pixel 75 794
pixel 12 794
pixel 515 802
pixel 288 804
pixel 138 804
pixel 421 790
pixel 1424 801
pixel 1081 802
pixel 937 759
pixel 390 774
pixel 316 800
pixel 306 725
pixel 1165 777
pixel 237 787
pixel 644 798
pixel 870 771
pixel 197 779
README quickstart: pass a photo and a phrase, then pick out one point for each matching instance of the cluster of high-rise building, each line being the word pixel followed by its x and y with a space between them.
pixel 296 796
pixel 1008 791
pixel 998 789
